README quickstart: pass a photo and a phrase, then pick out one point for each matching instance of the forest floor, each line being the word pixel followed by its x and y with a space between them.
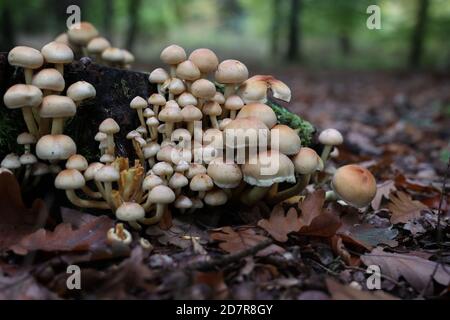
pixel 395 124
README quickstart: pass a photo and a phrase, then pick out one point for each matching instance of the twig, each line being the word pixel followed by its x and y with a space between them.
pixel 229 258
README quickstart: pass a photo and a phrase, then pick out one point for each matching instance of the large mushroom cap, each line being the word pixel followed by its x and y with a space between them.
pixel 130 211
pixel 231 72
pixel 205 59
pixel 201 182
pixel 225 175
pixel 109 126
pixel 82 33
pixel 107 173
pixel 187 70
pixel 246 132
pixel 55 147
pixel 162 194
pixel 355 185
pixel 69 179
pixel 331 137
pixel 285 139
pixel 49 79
pixel 260 111
pixel 151 181
pixel 138 103
pixel 307 161
pixel 191 113
pixel 91 170
pixel 267 168
pixel 25 57
pixel 98 45
pixel 57 52
pixel 173 55
pixel 203 89
pixel 81 90
pixel 54 106
pixel 158 75
pixel 22 95
pixel 77 162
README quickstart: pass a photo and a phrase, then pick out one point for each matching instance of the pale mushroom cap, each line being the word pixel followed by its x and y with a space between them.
pixel 148 113
pixel 182 166
pixel 54 106
pixel 253 91
pixel 151 149
pixel 158 75
pixel 194 169
pixel 107 173
pixel 100 136
pixel 355 185
pixel 107 158
pixel 49 79
pixel 173 55
pixel 267 168
pixel 212 108
pixel 82 33
pixel 170 114
pixel 26 138
pixel 203 89
pixel 130 211
pixel 77 162
pixel 191 113
pixel 113 238
pixel 162 169
pixel 57 52
pixel 113 55
pixel 81 90
pixel 180 134
pixel 162 195
pixel 201 182
pixel 40 169
pixel 157 99
pixel 205 59
pixel 91 170
pixel 178 180
pixel 109 126
pixel 246 132
pixel 62 38
pixel 176 86
pixel 214 138
pixel 219 98
pixel 55 147
pixel 25 57
pixel 69 179
pixel 234 102
pixel 128 57
pixel 231 72
pixel 286 140
pixel 260 111
pixel 166 153
pixel 186 99
pixel 223 123
pixel 216 197
pixel 28 159
pixel 22 95
pixel 98 45
pixel 307 161
pixel 11 162
pixel 187 70
pixel 151 181
pixel 183 202
pixel 138 103
pixel 331 137
pixel 226 175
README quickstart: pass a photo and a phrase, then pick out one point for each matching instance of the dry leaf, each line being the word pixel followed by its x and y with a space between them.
pixel 233 241
pixel 280 225
pixel 383 191
pixel 342 292
pixel 404 209
pixel 23 287
pixel 416 270
pixel 215 281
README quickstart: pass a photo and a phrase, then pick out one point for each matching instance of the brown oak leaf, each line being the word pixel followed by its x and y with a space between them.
pixel 233 241
pixel 403 208
pixel 383 191
pixel 280 225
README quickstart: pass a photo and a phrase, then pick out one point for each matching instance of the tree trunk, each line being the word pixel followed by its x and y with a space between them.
pixel 108 18
pixel 275 29
pixel 418 34
pixel 8 36
pixel 294 37
pixel 133 26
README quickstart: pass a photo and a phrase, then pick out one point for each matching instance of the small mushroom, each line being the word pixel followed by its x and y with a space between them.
pixel 191 115
pixel 204 90
pixel 119 236
pixel 183 203
pixel 107 175
pixel 26 139
pixel 285 140
pixel 96 46
pixel 80 91
pixel 49 81
pixel 172 56
pixel 177 182
pixel 205 60
pixel 139 104
pixel 160 77
pixel 130 212
pixel 186 99
pixel 58 54
pixel 27 58
pixel 188 72
pixel 231 73
pixel 201 183
pixel 216 197
pixel 259 111
pixel 170 115
pixel 11 162
pixel 160 195
pixel 233 104
pixel 109 127
pixel 213 110
pixel 55 147
pixel 329 138
pixel 57 108
pixel 157 101
pixel 82 33
pixel 113 57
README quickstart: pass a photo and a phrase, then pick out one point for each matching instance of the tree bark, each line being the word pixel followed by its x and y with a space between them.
pixel 418 34
pixel 294 37
pixel 133 26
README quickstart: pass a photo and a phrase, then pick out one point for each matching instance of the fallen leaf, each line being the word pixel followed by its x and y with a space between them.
pixel 233 241
pixel 339 248
pixel 402 181
pixel 280 225
pixel 404 209
pixel 383 191
pixel 23 287
pixel 16 220
pixel 89 236
pixel 215 281
pixel 344 292
pixel 415 270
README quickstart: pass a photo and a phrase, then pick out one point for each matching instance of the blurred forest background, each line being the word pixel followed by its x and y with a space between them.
pixel 313 33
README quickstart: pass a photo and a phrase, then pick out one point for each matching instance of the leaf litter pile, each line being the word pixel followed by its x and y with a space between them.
pixel 396 125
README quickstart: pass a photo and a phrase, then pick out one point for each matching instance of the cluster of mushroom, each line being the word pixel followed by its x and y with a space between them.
pixel 45 110
pixel 85 40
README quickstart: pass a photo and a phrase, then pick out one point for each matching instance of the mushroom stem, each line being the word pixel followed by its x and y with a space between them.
pixel 57 125
pixel 169 128
pixel 214 122
pixel 147 205
pixel 89 192
pixel 110 142
pixel 160 209
pixel 28 75
pixel 141 117
pixel 173 71
pixel 60 68
pixel 325 153
pixel 101 189
pixel 108 192
pixel 151 162
pixel 229 90
pixel 29 120
pixel 156 109
pixel 233 114
pixel 71 195
pixel 301 184
pixel 190 127
pixel 254 195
